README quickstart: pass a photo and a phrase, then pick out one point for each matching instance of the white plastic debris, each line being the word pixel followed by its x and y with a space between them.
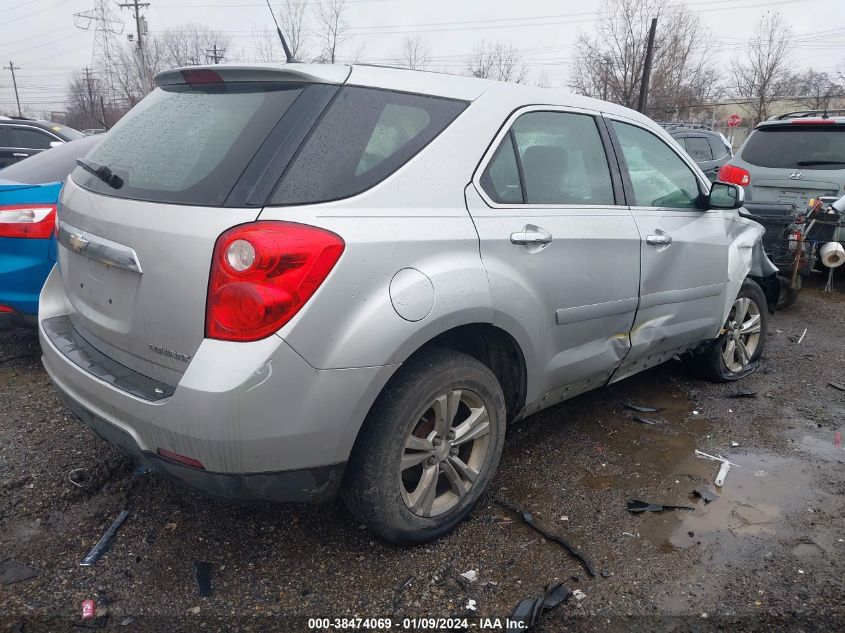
pixel 471 575
pixel 802 336
pixel 723 472
pixel 760 473
pixel 471 605
pixel 695 412
pixel 578 594
pixel 564 518
pixel 800 571
pixel 734 444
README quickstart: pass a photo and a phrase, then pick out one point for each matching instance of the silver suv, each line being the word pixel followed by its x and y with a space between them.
pixel 278 283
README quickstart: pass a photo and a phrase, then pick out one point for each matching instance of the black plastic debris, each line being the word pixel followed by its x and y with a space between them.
pixel 706 494
pixel 11 571
pixel 639 409
pixel 526 516
pixel 649 421
pixel 837 385
pixel 202 574
pixel 103 544
pixel 635 506
pixel 744 394
pixel 529 611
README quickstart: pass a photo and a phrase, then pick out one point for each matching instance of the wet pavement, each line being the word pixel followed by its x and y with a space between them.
pixel 766 553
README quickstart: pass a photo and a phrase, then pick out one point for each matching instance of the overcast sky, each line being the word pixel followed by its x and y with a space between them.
pixel 42 36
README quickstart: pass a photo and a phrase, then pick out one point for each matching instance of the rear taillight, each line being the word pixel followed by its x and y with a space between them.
pixel 33 221
pixel 5 309
pixel 262 274
pixel 734 175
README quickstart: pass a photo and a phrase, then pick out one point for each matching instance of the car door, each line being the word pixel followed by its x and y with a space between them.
pixel 25 141
pixel 6 157
pixel 684 258
pixel 560 247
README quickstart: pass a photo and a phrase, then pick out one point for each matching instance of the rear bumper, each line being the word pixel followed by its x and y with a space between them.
pixel 307 485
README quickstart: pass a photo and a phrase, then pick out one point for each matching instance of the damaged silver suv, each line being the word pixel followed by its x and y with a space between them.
pixel 285 282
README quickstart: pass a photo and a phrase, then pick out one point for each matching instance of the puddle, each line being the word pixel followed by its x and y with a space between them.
pixel 822 445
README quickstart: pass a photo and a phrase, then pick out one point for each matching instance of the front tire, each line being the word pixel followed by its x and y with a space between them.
pixel 736 352
pixel 428 449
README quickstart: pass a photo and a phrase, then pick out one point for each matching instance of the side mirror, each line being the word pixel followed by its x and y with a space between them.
pixel 56 143
pixel 724 195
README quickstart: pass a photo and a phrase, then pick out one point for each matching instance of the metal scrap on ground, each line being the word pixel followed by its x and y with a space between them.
pixel 529 611
pixel 635 506
pixel 639 409
pixel 202 574
pixel 742 394
pixel 706 494
pixel 526 516
pixel 12 571
pixel 103 544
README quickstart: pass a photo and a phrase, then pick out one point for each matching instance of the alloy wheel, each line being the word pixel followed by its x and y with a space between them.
pixel 742 332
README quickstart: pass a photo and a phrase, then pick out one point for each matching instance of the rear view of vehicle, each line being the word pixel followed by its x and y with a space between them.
pixel 708 148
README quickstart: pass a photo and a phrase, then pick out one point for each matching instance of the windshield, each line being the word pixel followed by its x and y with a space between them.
pixel 189 144
pixel 52 165
pixel 802 146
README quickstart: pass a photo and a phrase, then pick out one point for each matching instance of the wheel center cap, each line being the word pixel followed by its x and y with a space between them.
pixel 441 452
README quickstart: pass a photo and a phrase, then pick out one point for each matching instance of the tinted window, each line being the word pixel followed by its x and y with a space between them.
pixel 563 159
pixel 501 178
pixel 189 144
pixel 718 147
pixel 699 148
pixel 804 146
pixel 659 177
pixel 4 137
pixel 29 138
pixel 54 165
pixel 364 136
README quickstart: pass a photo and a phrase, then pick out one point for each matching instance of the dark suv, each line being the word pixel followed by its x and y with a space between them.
pixel 21 138
pixel 708 148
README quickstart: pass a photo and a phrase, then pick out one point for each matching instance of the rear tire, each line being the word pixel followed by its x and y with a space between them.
pixel 428 449
pixel 735 354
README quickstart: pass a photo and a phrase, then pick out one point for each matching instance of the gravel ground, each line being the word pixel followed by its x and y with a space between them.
pixel 765 554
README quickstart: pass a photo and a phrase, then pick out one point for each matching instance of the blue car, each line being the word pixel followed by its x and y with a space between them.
pixel 29 191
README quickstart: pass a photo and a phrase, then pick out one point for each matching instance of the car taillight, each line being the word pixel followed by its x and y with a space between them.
pixel 262 274
pixel 734 175
pixel 5 309
pixel 33 221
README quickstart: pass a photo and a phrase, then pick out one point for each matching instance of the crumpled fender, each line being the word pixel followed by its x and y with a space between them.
pixel 745 256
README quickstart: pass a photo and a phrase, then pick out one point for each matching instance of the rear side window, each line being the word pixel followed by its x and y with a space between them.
pixel 562 160
pixel 699 149
pixel 29 138
pixel 365 135
pixel 718 147
pixel 791 146
pixel 189 144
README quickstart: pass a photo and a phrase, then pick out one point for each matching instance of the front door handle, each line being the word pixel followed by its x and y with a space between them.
pixel 20 155
pixel 531 234
pixel 659 240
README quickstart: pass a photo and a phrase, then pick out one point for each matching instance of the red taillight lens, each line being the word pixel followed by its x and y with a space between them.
pixel 734 175
pixel 33 221
pixel 5 309
pixel 201 76
pixel 181 459
pixel 262 274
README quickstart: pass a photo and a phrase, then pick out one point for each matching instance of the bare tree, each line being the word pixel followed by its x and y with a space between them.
pixel 762 75
pixel 293 20
pixel 332 29
pixel 414 54
pixel 543 80
pixel 815 89
pixel 495 60
pixel 189 44
pixel 608 64
pixel 83 102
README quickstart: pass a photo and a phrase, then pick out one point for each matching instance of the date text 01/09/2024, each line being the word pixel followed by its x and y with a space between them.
pixel 414 624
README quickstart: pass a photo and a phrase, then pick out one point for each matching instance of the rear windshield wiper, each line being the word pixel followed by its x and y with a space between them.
pixel 100 171
pixel 811 163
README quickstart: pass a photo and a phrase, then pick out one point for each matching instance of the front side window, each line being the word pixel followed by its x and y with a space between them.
pixel 562 160
pixel 365 135
pixel 29 138
pixel 660 178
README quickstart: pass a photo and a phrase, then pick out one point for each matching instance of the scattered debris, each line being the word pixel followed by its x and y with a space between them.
pixel 705 494
pixel 635 505
pixel 12 571
pixel 742 394
pixel 760 473
pixel 471 575
pixel 103 544
pixel 837 439
pixel 836 385
pixel 800 571
pixel 801 338
pixel 734 444
pixel 564 518
pixel 72 478
pixel 471 605
pixel 629 534
pixel 695 412
pixel 605 573
pixel 529 611
pixel 649 421
pixel 202 574
pixel 526 516
pixel 723 469
pixel 639 409
pixel 578 594
pixel 194 610
pixel 127 621
pixel 89 609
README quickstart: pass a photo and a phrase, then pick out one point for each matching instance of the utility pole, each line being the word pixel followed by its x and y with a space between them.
pixel 649 53
pixel 137 6
pixel 13 68
pixel 87 72
pixel 215 54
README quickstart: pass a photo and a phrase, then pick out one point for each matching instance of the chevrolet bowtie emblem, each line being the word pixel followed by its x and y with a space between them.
pixel 796 175
pixel 78 242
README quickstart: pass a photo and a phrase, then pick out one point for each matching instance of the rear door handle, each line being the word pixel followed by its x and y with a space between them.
pixel 531 234
pixel 659 240
pixel 20 155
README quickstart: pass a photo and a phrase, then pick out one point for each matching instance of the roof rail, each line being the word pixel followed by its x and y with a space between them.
pixel 21 118
pixel 801 114
pixel 674 125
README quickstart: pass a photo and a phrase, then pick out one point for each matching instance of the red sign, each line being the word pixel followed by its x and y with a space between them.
pixel 734 120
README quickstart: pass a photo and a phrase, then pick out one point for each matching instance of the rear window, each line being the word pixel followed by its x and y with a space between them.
pixel 189 144
pixel 52 165
pixel 793 146
pixel 365 135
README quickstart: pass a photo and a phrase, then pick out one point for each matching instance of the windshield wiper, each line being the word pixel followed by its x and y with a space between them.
pixel 810 163
pixel 100 171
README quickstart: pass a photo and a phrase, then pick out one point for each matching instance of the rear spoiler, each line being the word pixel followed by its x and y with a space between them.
pixel 225 73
